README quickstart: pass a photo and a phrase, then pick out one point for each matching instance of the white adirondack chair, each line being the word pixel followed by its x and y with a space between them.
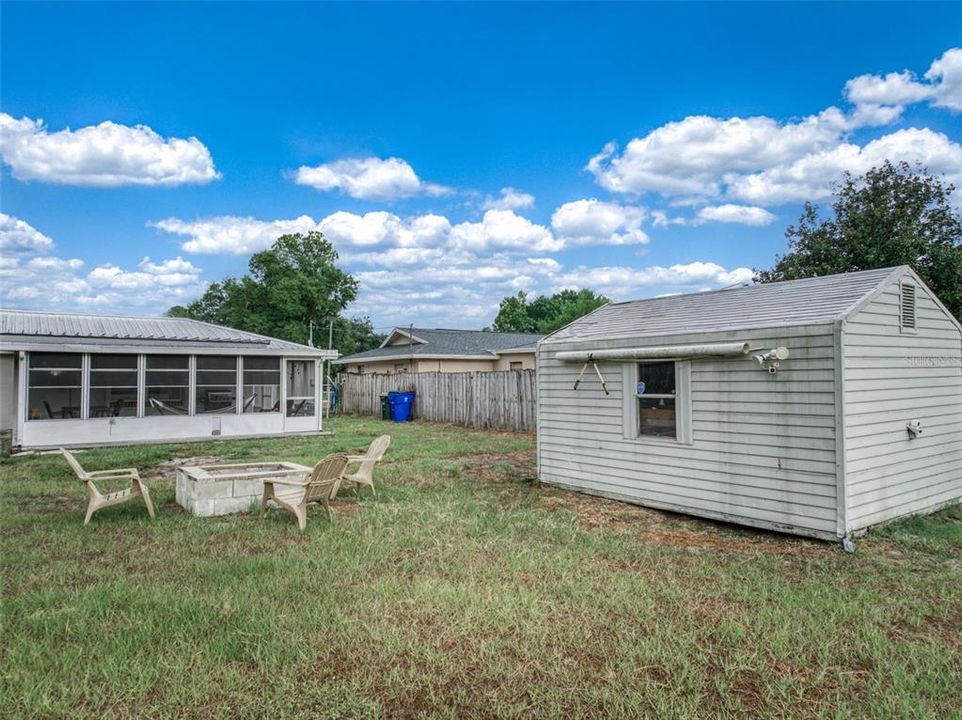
pixel 364 475
pixel 320 487
pixel 97 500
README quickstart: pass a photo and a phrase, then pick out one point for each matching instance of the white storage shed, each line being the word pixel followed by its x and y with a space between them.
pixel 69 379
pixel 817 407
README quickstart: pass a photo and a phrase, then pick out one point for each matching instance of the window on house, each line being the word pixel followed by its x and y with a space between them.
pixel 167 379
pixel 300 388
pixel 400 367
pixel 907 307
pixel 113 386
pixel 216 392
pixel 516 365
pixel 54 383
pixel 655 390
pixel 360 368
pixel 262 384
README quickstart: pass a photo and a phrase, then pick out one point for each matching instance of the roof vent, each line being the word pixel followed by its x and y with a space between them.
pixel 907 307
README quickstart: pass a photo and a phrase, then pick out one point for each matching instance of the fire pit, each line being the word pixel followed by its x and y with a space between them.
pixel 208 490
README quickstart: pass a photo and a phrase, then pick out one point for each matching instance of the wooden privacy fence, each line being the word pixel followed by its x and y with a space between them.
pixel 501 400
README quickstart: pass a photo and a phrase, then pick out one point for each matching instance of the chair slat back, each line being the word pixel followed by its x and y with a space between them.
pixel 374 454
pixel 72 462
pixel 378 447
pixel 325 476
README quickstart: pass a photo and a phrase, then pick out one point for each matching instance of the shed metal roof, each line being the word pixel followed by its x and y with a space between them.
pixel 432 343
pixel 810 301
pixel 18 327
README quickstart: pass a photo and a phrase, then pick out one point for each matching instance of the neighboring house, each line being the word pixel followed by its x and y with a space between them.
pixel 424 350
pixel 68 379
pixel 705 414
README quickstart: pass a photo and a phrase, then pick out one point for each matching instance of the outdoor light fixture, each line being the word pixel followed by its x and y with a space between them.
pixel 769 359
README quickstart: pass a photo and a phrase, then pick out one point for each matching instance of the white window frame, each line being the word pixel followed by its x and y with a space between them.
pixel 631 421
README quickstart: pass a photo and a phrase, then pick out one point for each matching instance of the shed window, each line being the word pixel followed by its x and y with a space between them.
pixel 907 307
pixel 168 384
pixel 262 384
pixel 216 385
pixel 655 390
pixel 54 386
pixel 113 385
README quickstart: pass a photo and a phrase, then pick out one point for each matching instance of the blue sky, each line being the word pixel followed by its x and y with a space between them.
pixel 454 153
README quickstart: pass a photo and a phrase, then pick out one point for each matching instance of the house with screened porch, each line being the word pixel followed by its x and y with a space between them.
pixel 818 407
pixel 69 379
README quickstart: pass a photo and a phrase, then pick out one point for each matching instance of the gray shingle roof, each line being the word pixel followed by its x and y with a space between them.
pixel 450 343
pixel 794 302
pixel 19 326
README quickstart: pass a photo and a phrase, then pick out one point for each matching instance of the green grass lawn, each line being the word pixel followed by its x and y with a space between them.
pixel 464 590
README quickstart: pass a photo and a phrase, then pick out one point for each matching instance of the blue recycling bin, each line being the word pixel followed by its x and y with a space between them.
pixel 400 404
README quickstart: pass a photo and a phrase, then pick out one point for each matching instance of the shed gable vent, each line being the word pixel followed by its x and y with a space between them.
pixel 907 307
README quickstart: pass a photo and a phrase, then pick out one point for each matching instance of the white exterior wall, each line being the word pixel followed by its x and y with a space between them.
pixel 504 361
pixel 762 448
pixel 892 377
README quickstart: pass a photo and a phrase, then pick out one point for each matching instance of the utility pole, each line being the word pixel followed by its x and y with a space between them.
pixel 330 335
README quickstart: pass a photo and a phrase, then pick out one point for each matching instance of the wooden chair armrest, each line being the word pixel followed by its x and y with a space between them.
pixel 356 458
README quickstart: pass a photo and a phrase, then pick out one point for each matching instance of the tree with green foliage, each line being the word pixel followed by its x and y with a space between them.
pixel 546 313
pixel 892 215
pixel 355 335
pixel 291 287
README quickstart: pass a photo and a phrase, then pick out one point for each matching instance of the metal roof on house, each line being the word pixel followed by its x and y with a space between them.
pixel 434 343
pixel 21 327
pixel 810 301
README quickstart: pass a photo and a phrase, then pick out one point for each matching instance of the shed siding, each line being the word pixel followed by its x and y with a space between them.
pixel 890 378
pixel 763 446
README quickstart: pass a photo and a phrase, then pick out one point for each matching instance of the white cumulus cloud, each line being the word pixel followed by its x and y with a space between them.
pixel 369 178
pixel 811 177
pixel 690 156
pixel 384 229
pixel 730 213
pixel 702 160
pixel 18 236
pixel 594 222
pixel 942 85
pixel 104 155
pixel 505 230
pixel 176 272
pixel 630 283
pixel 509 199
pixel 232 235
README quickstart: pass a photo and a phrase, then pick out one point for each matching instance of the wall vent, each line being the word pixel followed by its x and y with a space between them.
pixel 907 307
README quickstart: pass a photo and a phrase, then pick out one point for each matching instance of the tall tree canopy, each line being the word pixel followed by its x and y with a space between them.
pixel 546 313
pixel 294 284
pixel 893 215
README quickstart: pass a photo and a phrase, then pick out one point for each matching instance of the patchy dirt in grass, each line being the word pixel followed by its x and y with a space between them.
pixel 511 467
pixel 596 514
